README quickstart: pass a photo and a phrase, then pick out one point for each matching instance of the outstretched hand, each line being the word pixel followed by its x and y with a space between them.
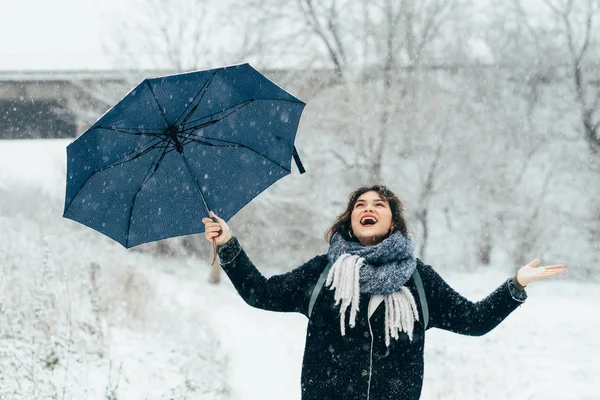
pixel 219 231
pixel 531 272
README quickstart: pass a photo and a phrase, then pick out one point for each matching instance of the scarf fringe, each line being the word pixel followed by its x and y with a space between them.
pixel 400 314
pixel 400 307
pixel 343 278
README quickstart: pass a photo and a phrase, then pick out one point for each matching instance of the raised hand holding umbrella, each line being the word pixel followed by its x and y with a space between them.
pixel 218 232
pixel 178 146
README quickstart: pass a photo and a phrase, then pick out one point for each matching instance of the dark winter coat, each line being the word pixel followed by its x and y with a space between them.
pixel 359 365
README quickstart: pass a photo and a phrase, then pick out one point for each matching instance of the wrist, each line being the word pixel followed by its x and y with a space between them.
pixel 226 240
pixel 229 251
pixel 520 285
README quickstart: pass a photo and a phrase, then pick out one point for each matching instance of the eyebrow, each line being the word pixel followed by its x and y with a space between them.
pixel 364 201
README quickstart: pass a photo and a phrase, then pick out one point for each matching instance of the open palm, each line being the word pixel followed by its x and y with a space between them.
pixel 532 272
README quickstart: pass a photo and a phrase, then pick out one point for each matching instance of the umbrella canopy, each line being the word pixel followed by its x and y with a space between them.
pixel 178 146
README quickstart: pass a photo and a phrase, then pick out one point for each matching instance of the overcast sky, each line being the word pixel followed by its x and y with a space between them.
pixel 53 34
pixel 69 34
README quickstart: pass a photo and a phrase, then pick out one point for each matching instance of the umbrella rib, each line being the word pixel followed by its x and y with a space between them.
pixel 239 107
pixel 156 101
pixel 130 131
pixel 136 156
pixel 231 144
pixel 149 174
pixel 116 163
pixel 165 151
pixel 229 111
pixel 242 104
pixel 200 93
pixel 189 139
pixel 187 166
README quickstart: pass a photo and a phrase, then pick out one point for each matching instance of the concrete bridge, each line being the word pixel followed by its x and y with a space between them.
pixel 52 104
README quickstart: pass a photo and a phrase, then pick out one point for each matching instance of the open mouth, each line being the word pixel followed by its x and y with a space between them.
pixel 368 220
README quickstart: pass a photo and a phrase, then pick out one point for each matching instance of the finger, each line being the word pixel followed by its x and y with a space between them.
pixel 542 275
pixel 557 266
pixel 552 272
pixel 212 214
pixel 534 263
pixel 209 236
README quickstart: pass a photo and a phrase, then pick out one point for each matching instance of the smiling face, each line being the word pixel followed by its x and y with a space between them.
pixel 371 219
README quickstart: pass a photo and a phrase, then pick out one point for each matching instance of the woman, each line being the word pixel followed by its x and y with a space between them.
pixel 369 301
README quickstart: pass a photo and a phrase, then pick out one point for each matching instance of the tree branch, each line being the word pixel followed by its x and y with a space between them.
pixel 431 26
pixel 313 21
pixel 338 156
pixel 333 28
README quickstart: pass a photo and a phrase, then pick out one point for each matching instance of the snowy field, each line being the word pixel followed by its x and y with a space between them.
pixel 82 318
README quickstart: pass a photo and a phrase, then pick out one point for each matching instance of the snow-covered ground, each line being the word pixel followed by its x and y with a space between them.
pixel 82 318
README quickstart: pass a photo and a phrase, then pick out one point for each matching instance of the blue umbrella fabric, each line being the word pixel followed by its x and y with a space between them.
pixel 178 146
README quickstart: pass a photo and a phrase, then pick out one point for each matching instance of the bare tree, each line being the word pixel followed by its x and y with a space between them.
pixel 299 32
pixel 352 38
pixel 388 39
pixel 529 231
pixel 578 20
pixel 427 192
pixel 164 34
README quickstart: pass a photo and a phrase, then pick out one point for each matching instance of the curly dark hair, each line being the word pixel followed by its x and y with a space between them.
pixel 343 223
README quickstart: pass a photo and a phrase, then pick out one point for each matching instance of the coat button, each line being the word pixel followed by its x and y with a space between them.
pixel 364 372
pixel 366 334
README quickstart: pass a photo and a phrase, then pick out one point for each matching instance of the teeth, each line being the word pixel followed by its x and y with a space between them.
pixel 368 219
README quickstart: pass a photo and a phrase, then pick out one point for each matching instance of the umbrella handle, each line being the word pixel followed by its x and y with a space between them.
pixel 214 251
pixel 214 245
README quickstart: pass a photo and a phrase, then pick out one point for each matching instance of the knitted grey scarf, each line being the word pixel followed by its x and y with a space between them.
pixel 388 264
pixel 381 271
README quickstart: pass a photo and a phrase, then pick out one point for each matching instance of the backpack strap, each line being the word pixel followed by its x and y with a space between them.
pixel 317 288
pixel 422 298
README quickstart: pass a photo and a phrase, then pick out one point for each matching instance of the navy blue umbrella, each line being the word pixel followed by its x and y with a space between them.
pixel 178 146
